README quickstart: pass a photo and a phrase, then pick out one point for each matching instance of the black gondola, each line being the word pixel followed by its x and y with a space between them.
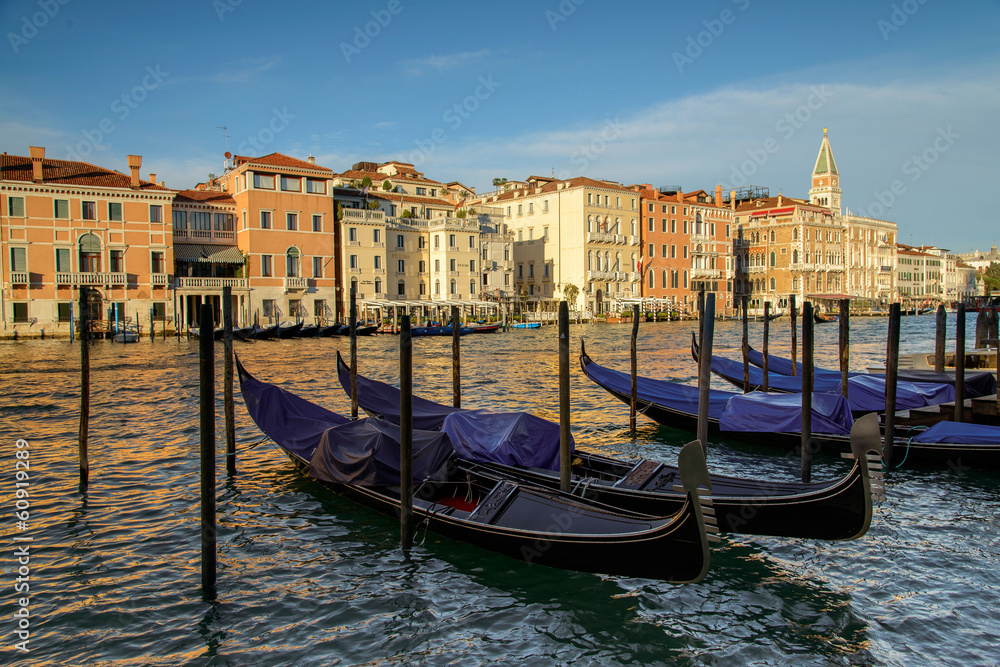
pixel 836 510
pixel 330 330
pixel 291 331
pixel 820 318
pixel 944 444
pixel 264 333
pixel 308 331
pixel 474 506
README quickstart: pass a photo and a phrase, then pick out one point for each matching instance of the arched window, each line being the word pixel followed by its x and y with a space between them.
pixel 633 228
pixel 685 280
pixel 590 223
pixel 772 284
pixel 633 263
pixel 454 287
pixel 772 236
pixel 90 253
pixel 795 233
pixel 664 279
pixel 401 288
pixel 795 257
pixel 292 262
pixel 795 283
pixel 378 285
pixel 773 259
pixel 437 287
pixel 590 260
pixel 472 287
pixel 651 278
pixel 618 261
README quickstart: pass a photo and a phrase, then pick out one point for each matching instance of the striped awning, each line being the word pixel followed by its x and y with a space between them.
pixel 190 252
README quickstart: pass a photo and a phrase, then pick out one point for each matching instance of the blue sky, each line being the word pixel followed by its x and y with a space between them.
pixel 689 94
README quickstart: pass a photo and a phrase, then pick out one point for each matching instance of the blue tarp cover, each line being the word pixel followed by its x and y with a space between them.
pixel 782 413
pixel 366 453
pixel 292 422
pixel 681 397
pixel 511 438
pixel 966 434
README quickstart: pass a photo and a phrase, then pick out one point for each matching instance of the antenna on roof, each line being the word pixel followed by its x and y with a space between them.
pixel 225 131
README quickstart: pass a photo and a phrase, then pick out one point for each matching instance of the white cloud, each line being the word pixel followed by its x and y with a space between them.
pixel 419 66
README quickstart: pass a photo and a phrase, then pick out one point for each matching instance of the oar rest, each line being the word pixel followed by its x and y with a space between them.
pixel 496 501
pixel 640 475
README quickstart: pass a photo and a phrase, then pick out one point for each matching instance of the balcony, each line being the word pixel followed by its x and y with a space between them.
pixel 18 278
pixel 159 279
pixel 378 272
pixel 378 244
pixel 211 283
pixel 204 235
pixel 705 273
pixel 757 269
pixel 294 284
pixel 634 240
pixel 597 237
pixel 85 279
pixel 354 271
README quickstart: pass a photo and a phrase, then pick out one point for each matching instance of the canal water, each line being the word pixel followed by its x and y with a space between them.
pixel 308 578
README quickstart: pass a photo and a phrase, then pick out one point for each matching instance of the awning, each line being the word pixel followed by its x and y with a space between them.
pixel 189 252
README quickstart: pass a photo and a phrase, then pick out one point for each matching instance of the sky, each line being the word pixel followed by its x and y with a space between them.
pixel 730 92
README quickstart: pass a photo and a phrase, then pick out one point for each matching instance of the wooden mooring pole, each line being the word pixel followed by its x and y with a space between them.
pixel 891 376
pixel 405 434
pixel 845 343
pixel 807 389
pixel 228 409
pixel 635 367
pixel 353 323
pixel 792 314
pixel 206 344
pixel 565 455
pixel 746 346
pixel 767 331
pixel 940 337
pixel 960 364
pixel 456 359
pixel 982 328
pixel 705 368
pixel 84 388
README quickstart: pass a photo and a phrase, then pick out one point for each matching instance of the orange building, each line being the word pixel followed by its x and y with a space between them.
pixel 666 257
pixel 66 225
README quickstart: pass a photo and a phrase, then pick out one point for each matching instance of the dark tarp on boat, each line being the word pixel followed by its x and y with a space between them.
pixel 961 433
pixel 510 438
pixel 673 395
pixel 782 413
pixel 366 453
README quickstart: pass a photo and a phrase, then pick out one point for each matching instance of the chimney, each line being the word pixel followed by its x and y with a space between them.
pixel 134 164
pixel 152 178
pixel 732 199
pixel 779 199
pixel 37 156
pixel 718 195
pixel 311 160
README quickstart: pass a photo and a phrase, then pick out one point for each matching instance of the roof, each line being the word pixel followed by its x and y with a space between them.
pixel 279 160
pixel 553 186
pixel 205 196
pixel 825 163
pixel 772 202
pixel 409 199
pixel 65 172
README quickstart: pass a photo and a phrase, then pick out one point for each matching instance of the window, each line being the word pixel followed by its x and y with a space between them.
pixel 772 261
pixel 291 184
pixel 180 221
pixel 652 250
pixel 88 210
pixel 531 208
pixel 400 266
pixel 378 261
pixel 650 207
pixel 421 191
pixel 20 313
pixel 685 279
pixel 18 260
pixel 245 219
pixel 673 226
pixel 317 222
pixel 315 187
pixel 685 226
pixel 376 236
pixel 651 224
pixel 65 311
pixel 520 271
pixel 663 249
pixel 437 287
pixel 531 270
pixel 652 277
pixel 268 307
pixel 772 284
pixel 520 208
pixel 378 285
pixel 117 263
pixel 673 252
pixel 663 281
pixel 472 241
pixel 401 288
pixel 399 241
pixel 317 267
pixel 545 270
pixel 223 222
pixel 266 270
pixel 292 263
pixel 155 262
pixel 421 242
pixel 62 260
pixel 15 207
pixel 451 241
pixel 263 181
pixel 155 213
pixel 472 287
pixel 618 202
pixel 265 219
pixel 423 288
pixel 354 262
pixel 319 308
pixel 201 220
pixel 685 252
pixel 454 287
pixel 451 265
pixel 422 267
pixel 292 221
pixel 60 208
pixel 437 265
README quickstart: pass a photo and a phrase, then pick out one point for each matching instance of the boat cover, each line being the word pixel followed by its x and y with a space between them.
pixel 680 397
pixel 960 433
pixel 866 393
pixel 366 453
pixel 292 422
pixel 976 383
pixel 782 413
pixel 510 438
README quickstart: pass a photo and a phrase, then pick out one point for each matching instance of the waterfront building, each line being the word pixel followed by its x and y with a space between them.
pixel 66 225
pixel 580 231
pixel 920 276
pixel 666 262
pixel 712 263
pixel 285 230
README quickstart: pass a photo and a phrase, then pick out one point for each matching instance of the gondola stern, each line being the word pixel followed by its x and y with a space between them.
pixel 866 449
pixel 694 475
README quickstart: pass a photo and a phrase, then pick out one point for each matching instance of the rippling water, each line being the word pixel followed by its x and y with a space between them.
pixel 308 578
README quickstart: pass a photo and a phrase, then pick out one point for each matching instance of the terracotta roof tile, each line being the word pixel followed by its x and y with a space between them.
pixel 65 172
pixel 279 160
pixel 207 196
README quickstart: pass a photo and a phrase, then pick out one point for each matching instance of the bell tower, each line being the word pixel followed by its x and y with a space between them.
pixel 825 189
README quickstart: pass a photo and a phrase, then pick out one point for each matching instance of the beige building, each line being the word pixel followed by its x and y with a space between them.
pixel 580 232
pixel 66 225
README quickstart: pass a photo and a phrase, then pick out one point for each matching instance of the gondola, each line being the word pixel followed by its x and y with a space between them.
pixel 820 318
pixel 439 331
pixel 330 330
pixel 486 328
pixel 773 316
pixel 676 405
pixel 836 510
pixel 977 383
pixel 526 325
pixel 360 460
pixel 264 333
pixel 308 331
pixel 291 331
pixel 866 393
